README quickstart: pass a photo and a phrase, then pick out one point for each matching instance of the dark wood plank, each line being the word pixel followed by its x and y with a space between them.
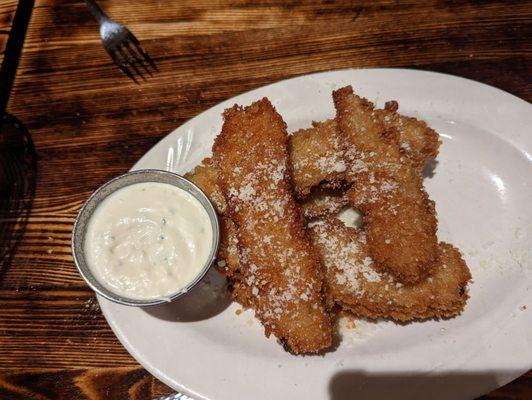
pixel 57 384
pixel 66 324
pixel 7 13
pixel 14 21
pixel 90 123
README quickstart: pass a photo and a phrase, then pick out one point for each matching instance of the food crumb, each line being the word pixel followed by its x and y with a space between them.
pixel 238 311
pixel 349 323
pixel 523 307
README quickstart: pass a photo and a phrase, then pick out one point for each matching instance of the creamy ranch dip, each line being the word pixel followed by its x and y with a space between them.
pixel 148 240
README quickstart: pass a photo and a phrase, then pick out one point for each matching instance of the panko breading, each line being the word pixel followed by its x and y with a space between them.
pixel 316 156
pixel 400 219
pixel 206 178
pixel 356 285
pixel 227 262
pixel 417 140
pixel 277 259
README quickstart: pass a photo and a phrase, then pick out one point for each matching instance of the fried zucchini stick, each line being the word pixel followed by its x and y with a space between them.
pixel 400 220
pixel 356 285
pixel 316 157
pixel 227 262
pixel 277 260
pixel 417 140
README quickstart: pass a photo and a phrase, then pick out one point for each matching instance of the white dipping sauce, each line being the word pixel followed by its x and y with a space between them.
pixel 148 240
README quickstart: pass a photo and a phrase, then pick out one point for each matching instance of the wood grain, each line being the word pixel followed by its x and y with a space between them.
pixel 103 383
pixel 90 123
pixel 7 13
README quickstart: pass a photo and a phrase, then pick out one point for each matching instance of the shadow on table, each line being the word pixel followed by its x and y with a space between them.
pixel 353 384
pixel 18 173
pixel 205 301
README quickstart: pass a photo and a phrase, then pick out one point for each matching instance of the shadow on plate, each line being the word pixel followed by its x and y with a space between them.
pixel 18 174
pixel 349 385
pixel 205 301
pixel 430 169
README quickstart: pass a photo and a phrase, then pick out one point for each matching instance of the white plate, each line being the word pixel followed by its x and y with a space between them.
pixel 481 186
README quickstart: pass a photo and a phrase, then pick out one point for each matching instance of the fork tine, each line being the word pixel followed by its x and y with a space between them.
pixel 121 65
pixel 145 55
pixel 136 56
pixel 129 60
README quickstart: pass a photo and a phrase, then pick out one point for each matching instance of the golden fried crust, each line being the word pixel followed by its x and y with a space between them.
pixel 356 285
pixel 323 202
pixel 277 259
pixel 417 140
pixel 399 218
pixel 206 178
pixel 316 156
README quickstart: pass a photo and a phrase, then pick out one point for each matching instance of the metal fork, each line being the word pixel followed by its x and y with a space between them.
pixel 123 47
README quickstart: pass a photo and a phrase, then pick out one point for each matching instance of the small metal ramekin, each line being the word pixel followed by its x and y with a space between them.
pixel 139 176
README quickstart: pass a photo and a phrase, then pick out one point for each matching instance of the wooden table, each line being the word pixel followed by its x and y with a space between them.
pixel 90 123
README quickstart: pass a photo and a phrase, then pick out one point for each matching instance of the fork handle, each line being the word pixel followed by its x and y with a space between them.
pixel 96 11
